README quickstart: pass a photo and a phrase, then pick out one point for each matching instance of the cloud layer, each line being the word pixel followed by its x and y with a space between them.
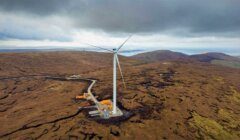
pixel 156 24
pixel 174 17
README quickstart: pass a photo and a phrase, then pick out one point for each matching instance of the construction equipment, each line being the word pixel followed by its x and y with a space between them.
pixel 107 104
pixel 84 96
pixel 80 97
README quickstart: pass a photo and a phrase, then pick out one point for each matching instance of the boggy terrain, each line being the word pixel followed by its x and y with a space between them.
pixel 167 99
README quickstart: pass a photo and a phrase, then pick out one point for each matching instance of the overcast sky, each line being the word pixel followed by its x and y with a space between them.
pixel 201 25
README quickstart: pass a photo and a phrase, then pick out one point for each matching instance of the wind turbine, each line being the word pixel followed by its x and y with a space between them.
pixel 115 63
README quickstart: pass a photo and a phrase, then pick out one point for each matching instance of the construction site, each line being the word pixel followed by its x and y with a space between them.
pixel 100 109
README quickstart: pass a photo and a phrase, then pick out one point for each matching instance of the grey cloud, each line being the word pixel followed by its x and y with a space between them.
pixel 184 17
pixel 38 7
pixel 154 15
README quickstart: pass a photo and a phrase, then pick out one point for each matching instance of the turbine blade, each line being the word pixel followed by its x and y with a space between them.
pixel 98 47
pixel 120 71
pixel 123 43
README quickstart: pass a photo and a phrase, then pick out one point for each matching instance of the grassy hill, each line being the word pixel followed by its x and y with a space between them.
pixel 160 55
pixel 212 57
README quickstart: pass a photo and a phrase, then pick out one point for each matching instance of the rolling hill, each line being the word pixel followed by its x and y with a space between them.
pixel 211 57
pixel 218 59
pixel 208 57
pixel 160 55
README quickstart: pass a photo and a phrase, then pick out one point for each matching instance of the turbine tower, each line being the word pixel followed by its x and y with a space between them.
pixel 115 63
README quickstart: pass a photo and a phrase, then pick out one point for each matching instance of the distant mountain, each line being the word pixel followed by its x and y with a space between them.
pixel 160 55
pixel 218 59
pixel 211 57
pixel 208 57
